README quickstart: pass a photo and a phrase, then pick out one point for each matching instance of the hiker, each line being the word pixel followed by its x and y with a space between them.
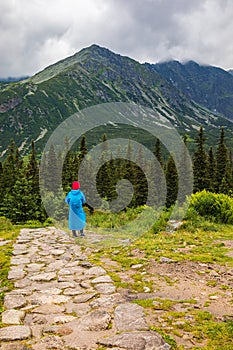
pixel 77 217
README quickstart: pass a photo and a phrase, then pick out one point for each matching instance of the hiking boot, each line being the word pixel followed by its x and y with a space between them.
pixel 74 233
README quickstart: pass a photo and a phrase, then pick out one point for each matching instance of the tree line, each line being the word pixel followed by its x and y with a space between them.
pixel 20 198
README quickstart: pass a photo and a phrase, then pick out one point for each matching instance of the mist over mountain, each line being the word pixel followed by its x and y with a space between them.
pixel 31 109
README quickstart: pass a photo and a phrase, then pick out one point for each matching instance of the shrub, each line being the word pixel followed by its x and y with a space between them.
pixel 217 207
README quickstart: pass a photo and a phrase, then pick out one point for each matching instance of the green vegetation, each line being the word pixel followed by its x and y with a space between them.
pixel 9 233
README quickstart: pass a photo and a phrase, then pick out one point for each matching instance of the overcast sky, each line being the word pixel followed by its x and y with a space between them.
pixel 37 33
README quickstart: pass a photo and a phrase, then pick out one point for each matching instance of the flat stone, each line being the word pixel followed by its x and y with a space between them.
pixel 51 291
pixel 2 243
pixel 83 298
pixel 14 346
pixel 14 301
pixel 64 319
pixel 95 321
pixel 105 288
pixel 12 316
pixel 44 277
pixel 95 271
pixel 106 301
pixel 48 309
pixel 35 267
pixel 58 330
pixel 16 274
pixel 102 279
pixel 77 309
pixel 50 342
pixel 15 333
pixel 55 266
pixel 136 341
pixel 18 261
pixel 22 283
pixel 64 285
pixel 136 266
pixel 163 259
pixel 130 317
pixel 74 291
pixel 41 299
pixel 57 252
pixel 64 272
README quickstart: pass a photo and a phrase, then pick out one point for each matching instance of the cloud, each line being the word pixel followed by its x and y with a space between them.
pixel 36 33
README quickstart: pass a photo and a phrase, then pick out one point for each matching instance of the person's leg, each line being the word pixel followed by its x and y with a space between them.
pixel 74 233
pixel 81 232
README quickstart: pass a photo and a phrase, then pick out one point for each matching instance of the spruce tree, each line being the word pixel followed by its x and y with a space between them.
pixel 158 153
pixel 200 164
pixel 51 175
pixel 211 171
pixel 221 161
pixel 171 182
pixel 83 148
pixel 9 168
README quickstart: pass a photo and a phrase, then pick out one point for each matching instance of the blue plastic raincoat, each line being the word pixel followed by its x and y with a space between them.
pixel 77 216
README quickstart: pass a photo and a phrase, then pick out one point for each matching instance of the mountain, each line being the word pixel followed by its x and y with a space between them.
pixel 13 79
pixel 33 108
pixel 209 86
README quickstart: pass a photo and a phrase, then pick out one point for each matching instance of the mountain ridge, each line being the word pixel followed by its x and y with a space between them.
pixel 33 108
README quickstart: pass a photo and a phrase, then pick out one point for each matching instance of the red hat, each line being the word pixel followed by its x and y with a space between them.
pixel 75 185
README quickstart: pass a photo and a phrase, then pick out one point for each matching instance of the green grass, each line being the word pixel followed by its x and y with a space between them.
pixel 7 232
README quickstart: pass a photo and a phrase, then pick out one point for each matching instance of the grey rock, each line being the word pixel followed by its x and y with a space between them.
pixel 2 243
pixel 95 271
pixel 102 279
pixel 51 342
pixel 130 317
pixel 14 301
pixel 137 266
pixel 163 259
pixel 43 277
pixel 83 298
pixel 14 346
pixel 137 341
pixel 77 309
pixel 74 291
pixel 12 316
pixel 48 309
pixel 63 319
pixel 15 274
pixel 105 288
pixel 15 333
pixel 20 260
pixel 97 320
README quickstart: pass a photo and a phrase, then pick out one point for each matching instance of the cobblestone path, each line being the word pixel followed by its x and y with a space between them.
pixel 62 301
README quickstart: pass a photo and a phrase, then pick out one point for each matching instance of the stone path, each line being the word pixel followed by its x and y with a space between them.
pixel 61 301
